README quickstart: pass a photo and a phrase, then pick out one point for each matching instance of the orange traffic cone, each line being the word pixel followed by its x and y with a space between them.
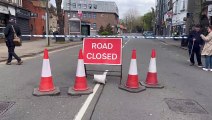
pixel 46 86
pixel 80 86
pixel 132 84
pixel 151 80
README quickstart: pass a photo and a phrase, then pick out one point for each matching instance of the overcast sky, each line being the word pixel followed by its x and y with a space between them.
pixel 142 6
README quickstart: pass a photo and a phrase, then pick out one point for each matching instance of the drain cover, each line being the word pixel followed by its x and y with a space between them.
pixel 185 106
pixel 4 106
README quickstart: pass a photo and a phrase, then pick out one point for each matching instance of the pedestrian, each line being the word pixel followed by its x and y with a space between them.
pixel 207 49
pixel 9 35
pixel 194 45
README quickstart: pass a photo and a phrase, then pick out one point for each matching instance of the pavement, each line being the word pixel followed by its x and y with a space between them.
pixel 34 47
pixel 172 42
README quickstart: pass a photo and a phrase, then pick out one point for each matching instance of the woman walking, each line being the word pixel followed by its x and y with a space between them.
pixel 207 49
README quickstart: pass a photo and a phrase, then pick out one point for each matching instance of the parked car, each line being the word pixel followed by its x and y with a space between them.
pixel 148 34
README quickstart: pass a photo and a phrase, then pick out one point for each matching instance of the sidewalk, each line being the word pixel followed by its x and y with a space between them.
pixel 172 42
pixel 31 48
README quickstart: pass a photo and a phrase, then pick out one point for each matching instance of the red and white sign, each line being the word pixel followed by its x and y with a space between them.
pixel 102 51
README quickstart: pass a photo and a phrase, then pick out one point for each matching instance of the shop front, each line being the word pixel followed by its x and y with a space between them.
pixel 22 19
pixel 4 16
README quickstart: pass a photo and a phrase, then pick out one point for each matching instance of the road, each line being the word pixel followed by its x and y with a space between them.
pixel 182 82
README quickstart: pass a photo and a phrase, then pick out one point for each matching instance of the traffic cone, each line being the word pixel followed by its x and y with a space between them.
pixel 80 86
pixel 132 84
pixel 46 86
pixel 151 79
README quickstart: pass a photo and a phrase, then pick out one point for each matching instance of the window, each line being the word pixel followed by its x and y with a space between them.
pixel 94 25
pixel 74 5
pixel 89 15
pixel 90 6
pixel 94 15
pixel 182 7
pixel 79 5
pixel 85 6
pixel 84 15
pixel 95 6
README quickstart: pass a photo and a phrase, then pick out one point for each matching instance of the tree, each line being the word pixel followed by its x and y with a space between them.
pixel 130 18
pixel 109 29
pixel 60 17
pixel 101 29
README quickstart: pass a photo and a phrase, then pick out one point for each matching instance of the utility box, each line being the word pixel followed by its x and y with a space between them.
pixel 74 27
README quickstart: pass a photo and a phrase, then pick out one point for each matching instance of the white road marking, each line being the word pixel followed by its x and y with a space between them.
pixel 83 109
pixel 125 43
pixel 164 43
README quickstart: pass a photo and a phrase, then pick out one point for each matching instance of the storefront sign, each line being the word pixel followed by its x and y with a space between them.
pixel 22 13
pixel 106 51
pixel 4 9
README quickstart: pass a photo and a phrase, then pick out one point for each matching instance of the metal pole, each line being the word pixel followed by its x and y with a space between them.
pixel 47 21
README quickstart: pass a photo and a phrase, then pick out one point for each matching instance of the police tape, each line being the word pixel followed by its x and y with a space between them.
pixel 100 36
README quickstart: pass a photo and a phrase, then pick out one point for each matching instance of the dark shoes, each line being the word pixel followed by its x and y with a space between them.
pixel 20 62
pixel 192 64
pixel 8 63
pixel 200 66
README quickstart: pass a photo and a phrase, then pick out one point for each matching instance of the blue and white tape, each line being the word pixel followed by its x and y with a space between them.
pixel 98 36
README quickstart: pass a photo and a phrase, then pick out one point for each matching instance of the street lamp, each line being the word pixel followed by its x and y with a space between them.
pixel 47 21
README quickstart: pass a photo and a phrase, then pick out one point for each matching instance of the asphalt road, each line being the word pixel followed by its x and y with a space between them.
pixel 181 81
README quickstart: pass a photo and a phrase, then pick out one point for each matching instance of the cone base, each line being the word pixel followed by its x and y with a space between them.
pixel 73 92
pixel 36 92
pixel 152 86
pixel 132 90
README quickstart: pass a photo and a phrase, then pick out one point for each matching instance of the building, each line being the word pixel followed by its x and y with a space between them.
pixel 159 22
pixel 178 16
pixel 92 14
pixel 13 9
pixel 38 17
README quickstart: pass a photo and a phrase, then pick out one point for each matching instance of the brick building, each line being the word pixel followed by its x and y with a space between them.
pixel 91 13
pixel 37 21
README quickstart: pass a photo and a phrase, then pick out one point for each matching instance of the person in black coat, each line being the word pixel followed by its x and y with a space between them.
pixel 9 35
pixel 194 45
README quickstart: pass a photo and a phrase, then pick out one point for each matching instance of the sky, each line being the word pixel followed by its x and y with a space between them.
pixel 142 6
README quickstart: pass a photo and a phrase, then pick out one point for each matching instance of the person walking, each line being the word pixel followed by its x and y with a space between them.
pixel 194 45
pixel 9 35
pixel 207 49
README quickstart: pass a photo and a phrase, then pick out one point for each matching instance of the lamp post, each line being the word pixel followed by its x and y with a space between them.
pixel 47 22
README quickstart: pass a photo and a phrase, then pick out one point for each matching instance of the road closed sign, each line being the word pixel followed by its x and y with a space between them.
pixel 107 51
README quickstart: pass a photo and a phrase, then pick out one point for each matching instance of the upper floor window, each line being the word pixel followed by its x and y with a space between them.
pixel 89 15
pixel 84 15
pixel 74 5
pixel 182 7
pixel 90 6
pixel 85 6
pixel 95 6
pixel 94 15
pixel 79 5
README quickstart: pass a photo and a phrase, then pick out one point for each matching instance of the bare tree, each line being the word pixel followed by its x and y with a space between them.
pixel 130 18
pixel 60 16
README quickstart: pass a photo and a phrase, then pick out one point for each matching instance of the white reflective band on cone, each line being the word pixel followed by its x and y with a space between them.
pixel 152 65
pixel 80 68
pixel 46 70
pixel 133 67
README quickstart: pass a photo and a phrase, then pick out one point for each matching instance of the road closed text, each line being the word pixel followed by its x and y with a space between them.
pixel 102 51
pixel 104 56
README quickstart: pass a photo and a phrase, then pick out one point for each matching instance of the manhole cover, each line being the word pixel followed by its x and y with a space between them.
pixel 185 106
pixel 4 106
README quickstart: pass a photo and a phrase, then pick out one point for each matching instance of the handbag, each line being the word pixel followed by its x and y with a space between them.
pixel 16 40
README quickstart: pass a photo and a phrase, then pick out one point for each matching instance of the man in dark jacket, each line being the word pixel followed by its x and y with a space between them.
pixel 194 45
pixel 9 35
